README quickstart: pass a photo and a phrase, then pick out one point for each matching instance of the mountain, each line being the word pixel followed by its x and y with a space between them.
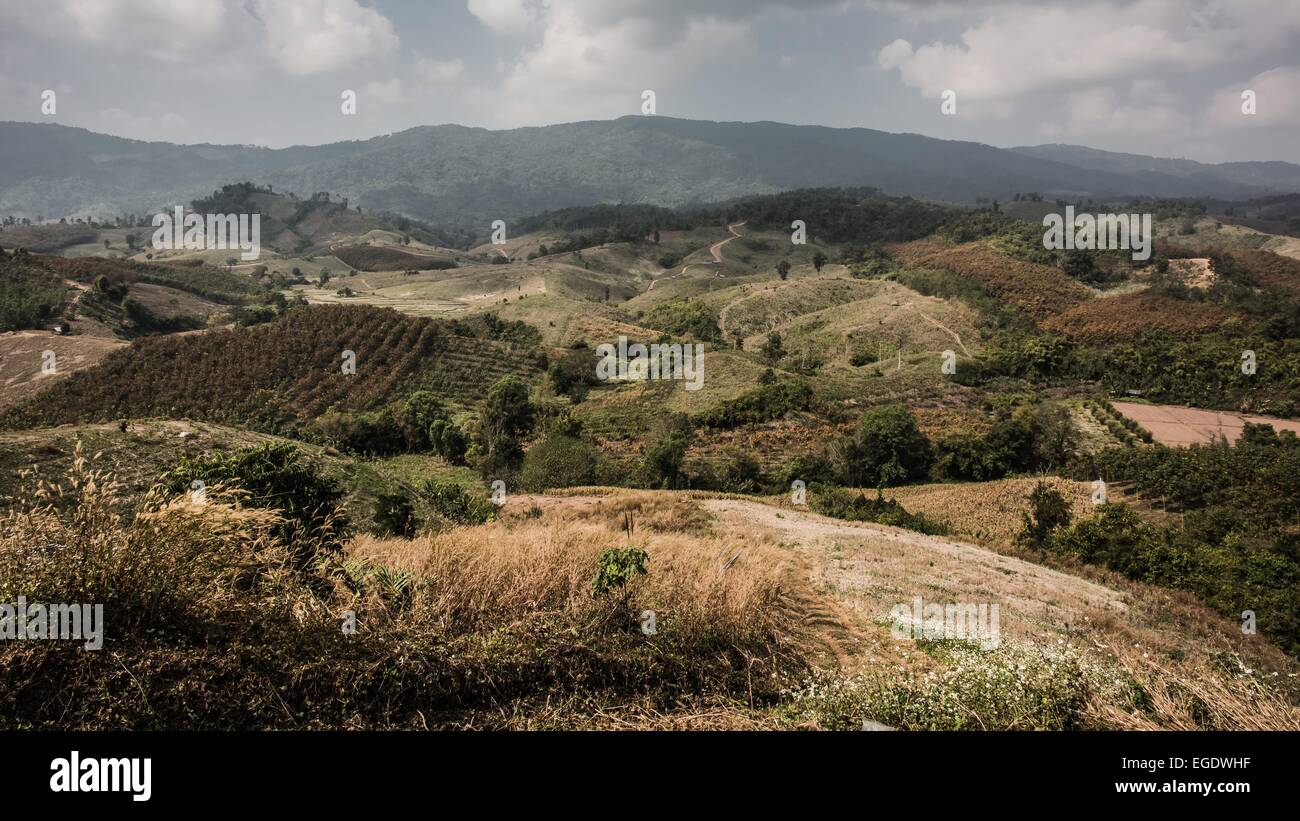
pixel 1281 176
pixel 455 175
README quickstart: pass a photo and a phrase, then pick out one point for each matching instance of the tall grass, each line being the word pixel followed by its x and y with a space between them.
pixel 209 624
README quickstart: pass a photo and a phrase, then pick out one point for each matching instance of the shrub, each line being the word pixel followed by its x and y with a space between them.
pixel 616 567
pixel 665 450
pixel 560 460
pixel 772 399
pixel 276 476
pixel 375 433
pixel 395 516
pixel 452 503
pixel 843 504
pixel 740 472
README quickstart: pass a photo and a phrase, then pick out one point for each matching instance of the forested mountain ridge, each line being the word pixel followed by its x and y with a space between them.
pixel 452 174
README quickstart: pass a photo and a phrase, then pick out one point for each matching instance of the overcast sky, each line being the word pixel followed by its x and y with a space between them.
pixel 1161 77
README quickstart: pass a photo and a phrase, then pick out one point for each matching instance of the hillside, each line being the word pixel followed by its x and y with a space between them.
pixel 470 176
pixel 284 374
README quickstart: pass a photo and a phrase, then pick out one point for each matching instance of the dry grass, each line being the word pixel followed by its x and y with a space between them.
pixel 209 625
pixel 506 572
pixel 1167 696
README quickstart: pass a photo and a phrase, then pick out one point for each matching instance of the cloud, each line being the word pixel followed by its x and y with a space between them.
pixel 1013 49
pixel 1277 100
pixel 439 72
pixel 315 36
pixel 595 57
pixel 160 30
pixel 302 37
pixel 504 16
pixel 1103 111
pixel 895 54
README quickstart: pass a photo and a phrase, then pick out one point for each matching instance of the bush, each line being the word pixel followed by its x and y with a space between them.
pixel 574 373
pixel 448 441
pixel 454 504
pixel 395 516
pixel 843 504
pixel 740 472
pixel 376 433
pixel 1048 512
pixel 276 476
pixel 616 567
pixel 770 400
pixel 560 460
pixel 665 450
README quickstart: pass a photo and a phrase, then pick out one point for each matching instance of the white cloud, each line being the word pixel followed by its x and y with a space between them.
pixel 439 71
pixel 595 57
pixel 504 16
pixel 1277 100
pixel 157 29
pixel 1015 49
pixel 1102 111
pixel 895 54
pixel 302 37
pixel 314 36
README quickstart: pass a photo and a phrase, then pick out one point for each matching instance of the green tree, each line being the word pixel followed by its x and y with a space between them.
pixel 819 260
pixel 665 450
pixel 505 417
pixel 887 448
pixel 1048 512
pixel 783 269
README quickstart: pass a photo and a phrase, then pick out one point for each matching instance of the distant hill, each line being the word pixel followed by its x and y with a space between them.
pixel 1281 176
pixel 454 175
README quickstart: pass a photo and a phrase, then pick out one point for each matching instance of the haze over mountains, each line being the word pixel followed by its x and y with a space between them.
pixel 467 176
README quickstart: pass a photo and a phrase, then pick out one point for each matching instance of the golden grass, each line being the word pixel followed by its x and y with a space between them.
pixel 512 570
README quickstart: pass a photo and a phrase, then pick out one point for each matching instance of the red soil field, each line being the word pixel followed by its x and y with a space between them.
pixel 1178 426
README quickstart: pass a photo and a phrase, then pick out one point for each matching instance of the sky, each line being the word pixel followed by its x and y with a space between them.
pixel 1159 77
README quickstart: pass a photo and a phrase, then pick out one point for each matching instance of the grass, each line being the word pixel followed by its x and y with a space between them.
pixel 210 627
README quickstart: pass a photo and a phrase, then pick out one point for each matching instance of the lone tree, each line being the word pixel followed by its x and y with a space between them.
pixel 819 259
pixel 783 269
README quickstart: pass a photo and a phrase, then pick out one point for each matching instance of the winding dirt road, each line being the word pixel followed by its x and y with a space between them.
pixel 715 249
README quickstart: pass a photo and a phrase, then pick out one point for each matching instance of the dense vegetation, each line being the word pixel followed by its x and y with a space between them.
pixel 29 295
pixel 1234 541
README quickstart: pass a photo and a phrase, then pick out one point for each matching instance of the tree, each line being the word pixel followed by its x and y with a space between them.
pixel 505 418
pixel 887 448
pixel 783 269
pixel 819 260
pixel 773 349
pixel 665 450
pixel 1048 511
